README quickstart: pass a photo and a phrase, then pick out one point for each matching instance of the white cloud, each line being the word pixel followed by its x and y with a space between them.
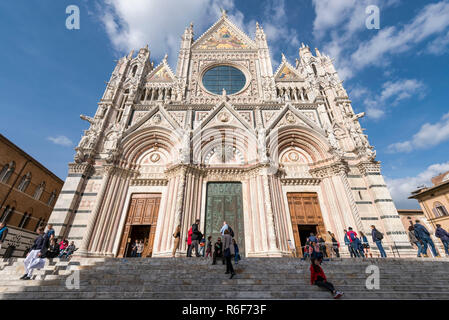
pixel 344 22
pixel 392 93
pixel 429 135
pixel 401 188
pixel 131 24
pixel 439 46
pixel 61 140
pixel 432 20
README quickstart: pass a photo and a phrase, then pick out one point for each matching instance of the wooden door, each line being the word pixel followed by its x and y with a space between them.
pixel 143 210
pixel 304 212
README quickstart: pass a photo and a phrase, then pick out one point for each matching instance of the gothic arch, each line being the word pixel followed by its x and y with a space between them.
pixel 139 142
pixel 205 140
pixel 307 139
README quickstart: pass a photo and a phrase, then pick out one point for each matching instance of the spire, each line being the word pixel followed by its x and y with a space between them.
pixel 224 13
pixel 283 57
pixel 130 56
pixel 318 54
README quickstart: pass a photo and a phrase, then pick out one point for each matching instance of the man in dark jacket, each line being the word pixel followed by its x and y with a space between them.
pixel 3 233
pixel 377 239
pixel 444 237
pixel 196 236
pixel 422 234
pixel 36 258
pixel 218 252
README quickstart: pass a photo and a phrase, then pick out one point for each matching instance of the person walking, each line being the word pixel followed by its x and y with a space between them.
pixel 365 245
pixel 377 239
pixel 236 252
pixel 318 278
pixel 36 257
pixel 414 240
pixel 335 244
pixel 348 244
pixel 3 233
pixel 189 243
pixel 209 247
pixel 444 237
pixel 422 234
pixel 228 253
pixel 196 236
pixel 177 236
pixel 218 251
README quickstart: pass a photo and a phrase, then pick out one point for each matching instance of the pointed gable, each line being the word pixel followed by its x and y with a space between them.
pixel 224 35
pixel 286 72
pixel 162 73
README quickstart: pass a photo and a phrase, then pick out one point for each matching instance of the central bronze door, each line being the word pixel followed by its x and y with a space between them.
pixel 306 217
pixel 224 203
pixel 140 223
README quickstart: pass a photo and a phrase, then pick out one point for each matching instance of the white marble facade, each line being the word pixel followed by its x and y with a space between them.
pixel 158 130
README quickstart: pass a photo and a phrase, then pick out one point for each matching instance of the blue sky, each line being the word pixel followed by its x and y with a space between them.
pixel 396 74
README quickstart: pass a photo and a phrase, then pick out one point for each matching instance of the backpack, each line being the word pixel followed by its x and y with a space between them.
pixel 231 232
pixel 379 235
pixel 352 236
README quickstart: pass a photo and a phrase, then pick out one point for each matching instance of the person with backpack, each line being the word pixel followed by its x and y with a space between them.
pixel 422 234
pixel 348 244
pixel 414 240
pixel 377 239
pixel 196 236
pixel 355 243
pixel 322 245
pixel 202 246
pixel 318 278
pixel 444 237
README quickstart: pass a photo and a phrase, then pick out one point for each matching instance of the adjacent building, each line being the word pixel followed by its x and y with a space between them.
pixel 434 200
pixel 277 153
pixel 28 193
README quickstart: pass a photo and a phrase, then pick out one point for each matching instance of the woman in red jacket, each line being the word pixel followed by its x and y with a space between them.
pixel 317 277
pixel 189 242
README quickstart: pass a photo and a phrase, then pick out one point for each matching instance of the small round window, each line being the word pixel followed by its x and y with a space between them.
pixel 224 77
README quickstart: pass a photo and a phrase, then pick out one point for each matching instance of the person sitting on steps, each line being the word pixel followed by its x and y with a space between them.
pixel 318 278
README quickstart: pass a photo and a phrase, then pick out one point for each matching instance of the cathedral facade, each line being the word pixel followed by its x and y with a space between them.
pixel 275 153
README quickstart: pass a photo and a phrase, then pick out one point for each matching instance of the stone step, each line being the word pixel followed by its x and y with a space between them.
pixel 314 293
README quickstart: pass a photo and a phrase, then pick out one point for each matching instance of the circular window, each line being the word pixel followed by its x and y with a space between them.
pixel 224 77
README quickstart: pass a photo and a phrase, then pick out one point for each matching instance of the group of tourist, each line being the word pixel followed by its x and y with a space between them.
pixel 197 242
pixel 46 246
pixel 137 248
pixel 358 245
pixel 420 237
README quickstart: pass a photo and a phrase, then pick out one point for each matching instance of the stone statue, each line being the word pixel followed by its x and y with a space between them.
pixel 356 137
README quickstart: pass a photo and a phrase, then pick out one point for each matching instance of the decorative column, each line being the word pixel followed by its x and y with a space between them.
pixel 273 249
pixel 83 250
